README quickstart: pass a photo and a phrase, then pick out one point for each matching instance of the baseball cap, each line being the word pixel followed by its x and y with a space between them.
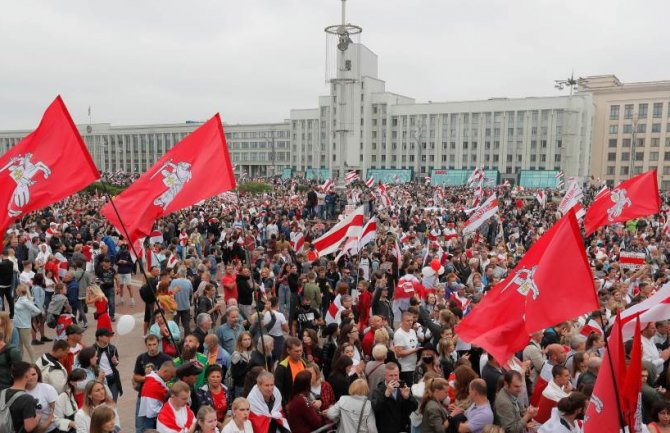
pixel 103 332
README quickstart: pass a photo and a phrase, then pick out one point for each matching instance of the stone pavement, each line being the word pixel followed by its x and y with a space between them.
pixel 129 346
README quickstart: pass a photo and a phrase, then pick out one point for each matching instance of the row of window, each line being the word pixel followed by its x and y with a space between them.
pixel 642 111
pixel 641 128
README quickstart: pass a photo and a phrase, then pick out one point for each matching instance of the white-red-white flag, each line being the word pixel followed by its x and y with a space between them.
pixel 541 198
pixel 369 233
pixel 334 310
pixel 370 182
pixel 484 212
pixel 351 225
pixel 383 196
pixel 427 180
pixel 298 242
pixel 559 179
pixel 351 177
pixel 350 247
pixel 572 198
pixel 590 327
pixel 327 185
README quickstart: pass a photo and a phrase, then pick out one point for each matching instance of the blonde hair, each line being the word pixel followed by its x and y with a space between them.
pixel 359 387
pixel 382 336
pixel 7 325
pixel 22 290
pixel 239 401
pixel 432 385
pixel 96 291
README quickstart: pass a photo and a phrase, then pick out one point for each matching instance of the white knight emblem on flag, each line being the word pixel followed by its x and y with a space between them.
pixel 621 200
pixel 523 279
pixel 175 176
pixel 22 171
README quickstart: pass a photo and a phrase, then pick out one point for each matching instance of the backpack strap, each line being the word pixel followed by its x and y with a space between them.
pixel 7 404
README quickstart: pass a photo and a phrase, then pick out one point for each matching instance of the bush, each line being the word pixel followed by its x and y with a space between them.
pixel 254 187
pixel 97 186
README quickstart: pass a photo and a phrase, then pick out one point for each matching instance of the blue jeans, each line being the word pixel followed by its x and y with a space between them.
pixel 138 420
pixel 146 423
pixel 284 299
pixel 78 310
pixel 111 300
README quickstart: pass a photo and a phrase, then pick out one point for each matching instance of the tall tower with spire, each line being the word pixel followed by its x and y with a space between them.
pixel 344 76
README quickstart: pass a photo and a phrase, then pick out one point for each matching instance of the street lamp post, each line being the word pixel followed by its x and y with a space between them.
pixel 418 137
pixel 273 155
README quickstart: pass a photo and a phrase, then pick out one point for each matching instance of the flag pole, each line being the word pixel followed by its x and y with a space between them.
pixel 622 421
pixel 142 270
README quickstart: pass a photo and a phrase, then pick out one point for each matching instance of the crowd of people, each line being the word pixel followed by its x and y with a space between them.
pixel 245 331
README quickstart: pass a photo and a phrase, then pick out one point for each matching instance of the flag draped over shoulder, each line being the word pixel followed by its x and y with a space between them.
pixel 551 284
pixel 636 197
pixel 197 168
pixel 48 165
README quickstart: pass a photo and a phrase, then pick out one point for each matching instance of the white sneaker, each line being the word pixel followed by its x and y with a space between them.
pixel 120 302
pixel 132 302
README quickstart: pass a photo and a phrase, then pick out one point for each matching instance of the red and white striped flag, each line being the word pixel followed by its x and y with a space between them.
pixel 484 212
pixel 385 201
pixel 590 327
pixel 505 183
pixel 370 182
pixel 155 237
pixel 517 189
pixel 666 225
pixel 559 179
pixel 427 180
pixel 397 253
pixel 572 198
pixel 298 242
pixel 351 177
pixel 326 185
pixel 541 198
pixel 396 178
pixel 350 247
pixel 333 312
pixel 351 225
pixel 477 176
pixel 369 233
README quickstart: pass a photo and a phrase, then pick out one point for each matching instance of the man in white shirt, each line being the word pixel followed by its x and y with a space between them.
pixel 649 350
pixel 406 345
pixel 28 274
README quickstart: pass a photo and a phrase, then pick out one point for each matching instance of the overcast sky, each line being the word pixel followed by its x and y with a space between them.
pixel 138 62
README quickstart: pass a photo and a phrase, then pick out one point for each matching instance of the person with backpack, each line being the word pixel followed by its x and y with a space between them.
pixel 17 408
pixel 9 355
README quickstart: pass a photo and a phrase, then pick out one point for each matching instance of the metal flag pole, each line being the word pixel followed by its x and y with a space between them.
pixel 142 270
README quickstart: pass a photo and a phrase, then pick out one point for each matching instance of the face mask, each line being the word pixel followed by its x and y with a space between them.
pixel 427 359
pixel 80 386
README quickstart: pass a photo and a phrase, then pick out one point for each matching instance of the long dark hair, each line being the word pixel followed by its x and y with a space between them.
pixel 302 384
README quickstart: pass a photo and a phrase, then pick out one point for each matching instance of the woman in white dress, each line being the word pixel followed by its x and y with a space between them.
pixel 240 422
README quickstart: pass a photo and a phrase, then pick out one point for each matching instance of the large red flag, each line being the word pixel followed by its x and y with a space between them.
pixel 602 413
pixel 551 284
pixel 632 386
pixel 49 164
pixel 197 168
pixel 636 197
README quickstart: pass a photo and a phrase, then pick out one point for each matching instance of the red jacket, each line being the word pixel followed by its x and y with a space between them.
pixel 364 306
pixel 301 417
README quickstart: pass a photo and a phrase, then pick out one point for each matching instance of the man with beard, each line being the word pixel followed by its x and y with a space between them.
pixel 305 317
pixel 190 353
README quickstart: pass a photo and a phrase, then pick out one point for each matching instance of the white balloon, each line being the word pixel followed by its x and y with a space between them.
pixel 125 324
